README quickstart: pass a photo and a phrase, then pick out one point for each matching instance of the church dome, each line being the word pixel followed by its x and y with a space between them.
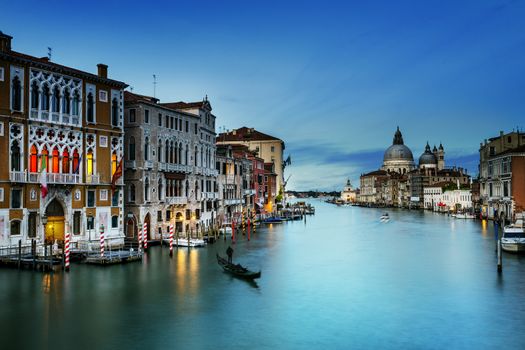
pixel 398 150
pixel 427 158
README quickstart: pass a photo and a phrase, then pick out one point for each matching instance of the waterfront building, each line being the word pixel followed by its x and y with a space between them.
pixel 270 187
pixel 349 194
pixel 268 147
pixel 170 166
pixel 370 185
pixel 61 131
pixel 502 175
pixel 447 196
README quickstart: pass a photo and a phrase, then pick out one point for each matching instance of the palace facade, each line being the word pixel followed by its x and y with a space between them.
pixel 61 131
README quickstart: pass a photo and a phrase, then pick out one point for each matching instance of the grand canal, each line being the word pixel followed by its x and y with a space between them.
pixel 339 280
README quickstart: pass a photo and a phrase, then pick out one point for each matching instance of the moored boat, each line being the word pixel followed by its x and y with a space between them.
pixel 273 220
pixel 237 270
pixel 464 216
pixel 513 239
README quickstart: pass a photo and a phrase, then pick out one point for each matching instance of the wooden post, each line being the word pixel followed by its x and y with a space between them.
pixel 233 230
pixel 33 252
pixel 500 258
pixel 19 253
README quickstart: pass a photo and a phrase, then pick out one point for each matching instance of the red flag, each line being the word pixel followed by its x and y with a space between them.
pixel 116 176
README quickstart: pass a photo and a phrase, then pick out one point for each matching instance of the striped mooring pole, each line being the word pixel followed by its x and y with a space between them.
pixel 68 237
pixel 145 237
pixel 139 234
pixel 171 240
pixel 253 221
pixel 101 241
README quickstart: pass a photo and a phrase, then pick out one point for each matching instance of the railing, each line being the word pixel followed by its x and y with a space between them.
pixel 130 164
pixel 232 201
pixel 55 117
pixel 176 200
pixel 249 192
pixel 148 164
pixel 18 176
pixel 93 179
pixel 161 166
pixel 55 178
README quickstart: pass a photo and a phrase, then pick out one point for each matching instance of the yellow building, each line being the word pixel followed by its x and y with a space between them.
pixel 60 128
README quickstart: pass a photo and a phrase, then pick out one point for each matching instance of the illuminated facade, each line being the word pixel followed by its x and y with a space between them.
pixel 63 130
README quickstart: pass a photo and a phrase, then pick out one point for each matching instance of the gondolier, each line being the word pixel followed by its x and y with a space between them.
pixel 229 252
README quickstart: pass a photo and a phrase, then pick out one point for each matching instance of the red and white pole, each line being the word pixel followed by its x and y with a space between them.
pixel 102 241
pixel 68 237
pixel 233 229
pixel 139 234
pixel 145 238
pixel 171 240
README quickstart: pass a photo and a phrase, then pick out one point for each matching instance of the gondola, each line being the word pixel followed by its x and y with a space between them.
pixel 237 269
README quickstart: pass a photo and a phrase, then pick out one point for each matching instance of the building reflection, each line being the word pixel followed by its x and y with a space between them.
pixel 187 271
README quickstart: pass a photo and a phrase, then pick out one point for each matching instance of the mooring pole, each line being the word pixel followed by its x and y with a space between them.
pixel 171 240
pixel 19 253
pixel 33 252
pixel 500 258
pixel 496 234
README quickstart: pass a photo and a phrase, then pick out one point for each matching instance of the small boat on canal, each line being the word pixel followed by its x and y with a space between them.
pixel 464 216
pixel 513 239
pixel 237 270
pixel 273 220
pixel 385 217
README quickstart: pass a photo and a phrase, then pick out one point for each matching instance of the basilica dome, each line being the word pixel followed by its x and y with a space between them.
pixel 427 158
pixel 398 157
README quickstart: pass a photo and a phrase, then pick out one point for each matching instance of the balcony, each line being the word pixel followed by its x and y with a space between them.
pixel 161 166
pixel 176 200
pixel 52 178
pixel 17 176
pixel 249 192
pixel 130 164
pixel 93 179
pixel 54 117
pixel 148 164
pixel 232 201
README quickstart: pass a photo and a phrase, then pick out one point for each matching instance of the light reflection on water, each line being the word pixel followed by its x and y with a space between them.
pixel 342 280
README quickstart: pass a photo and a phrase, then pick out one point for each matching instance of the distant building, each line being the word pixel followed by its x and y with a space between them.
pixel 268 147
pixel 502 175
pixel 398 157
pixel 370 185
pixel 444 197
pixel 349 194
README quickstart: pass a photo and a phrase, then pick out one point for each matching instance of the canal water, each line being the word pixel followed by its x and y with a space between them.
pixel 340 280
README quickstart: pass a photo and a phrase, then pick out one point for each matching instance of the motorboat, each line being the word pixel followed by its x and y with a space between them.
pixel 513 239
pixel 273 220
pixel 385 217
pixel 226 229
pixel 184 242
pixel 464 216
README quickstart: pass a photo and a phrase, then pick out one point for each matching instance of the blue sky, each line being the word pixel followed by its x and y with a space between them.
pixel 333 79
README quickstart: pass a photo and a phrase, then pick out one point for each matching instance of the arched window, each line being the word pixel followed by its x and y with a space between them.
pixel 56 161
pixel 15 156
pixel 76 103
pixel 89 159
pixel 44 159
pixel 66 102
pixel 33 160
pixel 196 189
pixel 34 95
pixel 114 112
pixel 45 98
pixel 180 153
pixel 146 148
pixel 146 190
pixel 159 190
pixel 65 162
pixel 76 162
pixel 131 155
pixel 186 155
pixel 187 188
pixel 167 152
pixel 113 163
pixel 176 153
pixel 195 157
pixel 90 108
pixel 159 151
pixel 55 100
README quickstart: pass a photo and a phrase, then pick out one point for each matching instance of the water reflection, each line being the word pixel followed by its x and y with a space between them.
pixel 187 271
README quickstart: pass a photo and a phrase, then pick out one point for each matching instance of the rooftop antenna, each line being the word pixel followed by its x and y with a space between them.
pixel 131 88
pixel 154 86
pixel 49 51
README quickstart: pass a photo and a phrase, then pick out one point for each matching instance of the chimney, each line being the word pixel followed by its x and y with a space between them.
pixel 102 70
pixel 5 42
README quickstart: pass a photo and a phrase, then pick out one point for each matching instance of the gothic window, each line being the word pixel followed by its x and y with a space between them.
pixel 167 152
pixel 186 155
pixel 66 102
pixel 55 100
pixel 146 190
pixel 56 161
pixel 131 193
pixel 114 112
pixel 45 98
pixel 34 95
pixel 187 188
pixel 131 148
pixel 90 108
pixel 146 148
pixel 15 156
pixel 16 94
pixel 44 159
pixel 195 157
pixel 33 160
pixel 65 162
pixel 76 161
pixel 76 103
pixel 159 150
pixel 89 158
pixel 160 190
pixel 176 153
pixel 180 153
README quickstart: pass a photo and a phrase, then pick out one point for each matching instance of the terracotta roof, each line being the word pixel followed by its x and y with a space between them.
pixel 132 97
pixel 45 63
pixel 245 134
pixel 376 172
